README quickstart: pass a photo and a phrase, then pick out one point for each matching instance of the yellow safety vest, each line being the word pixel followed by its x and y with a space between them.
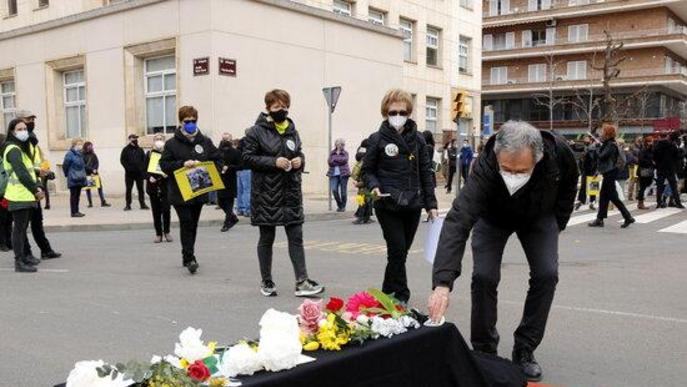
pixel 16 192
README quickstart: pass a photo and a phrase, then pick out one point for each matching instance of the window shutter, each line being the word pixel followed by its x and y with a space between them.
pixel 488 42
pixel 545 4
pixel 505 7
pixel 527 38
pixel 551 36
pixel 493 8
pixel 510 40
pixel 532 5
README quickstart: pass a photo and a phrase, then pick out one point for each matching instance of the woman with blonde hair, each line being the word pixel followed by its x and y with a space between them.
pixel 398 171
pixel 74 168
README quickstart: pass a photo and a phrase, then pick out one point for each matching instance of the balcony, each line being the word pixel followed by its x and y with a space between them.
pixel 674 38
pixel 674 78
pixel 561 9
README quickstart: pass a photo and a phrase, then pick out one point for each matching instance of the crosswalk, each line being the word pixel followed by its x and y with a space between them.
pixel 641 217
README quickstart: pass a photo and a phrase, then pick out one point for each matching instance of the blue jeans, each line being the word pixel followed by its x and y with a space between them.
pixel 243 182
pixel 339 186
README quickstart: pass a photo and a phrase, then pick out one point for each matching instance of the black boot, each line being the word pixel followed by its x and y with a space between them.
pixel 21 266
pixel 31 260
pixel 627 223
pixel 51 255
pixel 525 359
pixel 596 223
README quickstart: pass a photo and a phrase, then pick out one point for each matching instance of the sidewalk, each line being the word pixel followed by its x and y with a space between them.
pixel 58 218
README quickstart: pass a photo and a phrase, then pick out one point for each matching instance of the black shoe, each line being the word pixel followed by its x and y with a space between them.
pixel 358 221
pixel 627 223
pixel 127 208
pixel 596 223
pixel 23 267
pixel 228 226
pixel 578 205
pixel 144 207
pixel 50 255
pixel 268 289
pixel 78 215
pixel 192 266
pixel 680 206
pixel 31 260
pixel 90 205
pixel 105 204
pixel 525 359
pixel 47 206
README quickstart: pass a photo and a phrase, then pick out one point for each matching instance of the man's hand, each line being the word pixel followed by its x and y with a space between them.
pixel 438 303
pixel 190 163
pixel 152 179
pixel 297 163
pixel 433 214
pixel 40 195
pixel 283 163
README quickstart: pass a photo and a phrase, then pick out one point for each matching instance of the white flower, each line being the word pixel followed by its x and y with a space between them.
pixel 85 374
pixel 280 345
pixel 240 359
pixel 387 327
pixel 409 322
pixel 156 359
pixel 190 346
pixel 362 319
pixel 173 360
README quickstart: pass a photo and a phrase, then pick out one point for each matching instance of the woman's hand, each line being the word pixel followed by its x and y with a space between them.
pixel 438 303
pixel 297 163
pixel 190 163
pixel 433 214
pixel 376 192
pixel 40 195
pixel 283 163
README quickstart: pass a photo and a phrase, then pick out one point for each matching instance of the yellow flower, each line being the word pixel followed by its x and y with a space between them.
pixel 212 346
pixel 184 363
pixel 311 346
pixel 360 199
pixel 217 382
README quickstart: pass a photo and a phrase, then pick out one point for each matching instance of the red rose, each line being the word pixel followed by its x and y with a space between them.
pixel 198 371
pixel 335 304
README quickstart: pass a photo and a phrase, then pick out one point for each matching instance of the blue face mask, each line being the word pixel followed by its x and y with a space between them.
pixel 190 127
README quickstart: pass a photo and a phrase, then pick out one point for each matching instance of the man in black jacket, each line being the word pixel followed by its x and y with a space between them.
pixel 524 183
pixel 133 159
pixel 666 157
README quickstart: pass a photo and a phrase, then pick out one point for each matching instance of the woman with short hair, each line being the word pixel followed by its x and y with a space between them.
pixel 156 188
pixel 398 171
pixel 92 167
pixel 338 174
pixel 74 168
pixel 273 151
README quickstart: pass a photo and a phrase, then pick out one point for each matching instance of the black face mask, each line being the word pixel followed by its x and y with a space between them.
pixel 134 142
pixel 280 115
pixel 30 126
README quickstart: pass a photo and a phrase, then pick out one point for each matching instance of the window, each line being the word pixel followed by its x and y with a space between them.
pixel 538 38
pixel 499 7
pixel 577 70
pixel 7 104
pixel 466 4
pixel 464 48
pixel 432 46
pixel 406 27
pixel 577 2
pixel 499 75
pixel 43 3
pixel 11 7
pixel 160 94
pixel 432 114
pixel 538 5
pixel 578 33
pixel 376 17
pixel 536 73
pixel 74 103
pixel 504 41
pixel 342 7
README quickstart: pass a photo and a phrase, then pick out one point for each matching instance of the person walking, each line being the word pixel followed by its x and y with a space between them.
pixel 646 170
pixel 466 156
pixel 231 162
pixel 666 159
pixel 157 190
pixel 92 168
pixel 273 151
pixel 633 163
pixel 611 161
pixel 338 174
pixel 397 164
pixel 624 172
pixel 451 155
pixel 588 169
pixel 23 191
pixel 74 168
pixel 243 185
pixel 364 212
pixel 132 159
pixel 188 148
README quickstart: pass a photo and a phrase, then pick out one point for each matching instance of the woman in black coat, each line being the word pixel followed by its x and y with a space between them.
pixel 645 170
pixel 156 188
pixel 231 162
pixel 187 149
pixel 92 167
pixel 273 152
pixel 397 164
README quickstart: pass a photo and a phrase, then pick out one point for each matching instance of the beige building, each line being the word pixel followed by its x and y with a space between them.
pixel 531 46
pixel 102 69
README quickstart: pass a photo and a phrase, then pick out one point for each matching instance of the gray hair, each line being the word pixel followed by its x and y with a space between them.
pixel 339 141
pixel 515 136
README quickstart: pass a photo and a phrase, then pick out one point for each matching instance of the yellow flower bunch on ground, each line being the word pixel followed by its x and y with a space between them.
pixel 330 336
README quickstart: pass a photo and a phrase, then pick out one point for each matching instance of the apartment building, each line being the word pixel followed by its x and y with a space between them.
pixel 533 46
pixel 441 55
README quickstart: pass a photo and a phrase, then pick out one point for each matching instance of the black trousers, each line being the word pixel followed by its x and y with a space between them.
pixel 610 194
pixel 188 214
pixel 19 240
pixel 398 228
pixel 130 178
pixel 226 203
pixel 644 183
pixel 661 177
pixel 582 194
pixel 451 173
pixel 294 234
pixel 5 228
pixel 38 232
pixel 539 240
pixel 161 214
pixel 74 197
pixel 465 172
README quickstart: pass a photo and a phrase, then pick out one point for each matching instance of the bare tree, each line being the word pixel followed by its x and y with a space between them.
pixel 548 99
pixel 609 68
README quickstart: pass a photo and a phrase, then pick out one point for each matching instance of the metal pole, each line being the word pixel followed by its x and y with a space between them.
pixel 329 149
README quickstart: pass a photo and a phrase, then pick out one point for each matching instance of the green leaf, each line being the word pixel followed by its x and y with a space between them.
pixel 386 301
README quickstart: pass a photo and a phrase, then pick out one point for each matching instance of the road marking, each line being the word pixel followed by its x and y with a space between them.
pixel 40 270
pixel 579 219
pixel 351 248
pixel 655 215
pixel 610 312
pixel 679 228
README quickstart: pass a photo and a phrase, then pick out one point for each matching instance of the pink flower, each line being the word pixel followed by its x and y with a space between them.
pixel 310 315
pixel 359 301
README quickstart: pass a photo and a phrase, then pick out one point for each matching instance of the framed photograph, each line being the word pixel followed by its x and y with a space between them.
pixel 594 185
pixel 92 182
pixel 154 164
pixel 193 182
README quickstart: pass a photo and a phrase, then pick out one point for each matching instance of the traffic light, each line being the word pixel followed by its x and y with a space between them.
pixel 459 106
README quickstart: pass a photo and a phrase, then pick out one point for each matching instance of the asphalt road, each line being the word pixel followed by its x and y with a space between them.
pixel 619 319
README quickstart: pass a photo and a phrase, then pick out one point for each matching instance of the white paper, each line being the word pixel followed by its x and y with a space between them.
pixel 432 324
pixel 432 240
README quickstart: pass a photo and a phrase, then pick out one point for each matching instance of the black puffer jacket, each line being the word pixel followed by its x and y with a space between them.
pixel 231 158
pixel 398 164
pixel 180 149
pixel 550 191
pixel 276 195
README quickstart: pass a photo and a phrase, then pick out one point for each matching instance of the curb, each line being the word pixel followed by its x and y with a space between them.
pixel 318 217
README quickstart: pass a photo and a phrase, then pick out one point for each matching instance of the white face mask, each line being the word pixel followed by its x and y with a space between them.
pixel 78 148
pixel 515 181
pixel 22 135
pixel 159 144
pixel 397 121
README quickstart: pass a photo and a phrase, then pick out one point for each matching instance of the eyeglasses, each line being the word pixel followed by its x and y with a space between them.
pixel 395 113
pixel 190 121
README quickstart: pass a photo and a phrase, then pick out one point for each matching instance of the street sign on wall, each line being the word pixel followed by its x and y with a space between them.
pixel 227 67
pixel 201 66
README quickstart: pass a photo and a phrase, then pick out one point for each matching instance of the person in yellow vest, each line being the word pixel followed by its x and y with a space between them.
pixel 23 191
